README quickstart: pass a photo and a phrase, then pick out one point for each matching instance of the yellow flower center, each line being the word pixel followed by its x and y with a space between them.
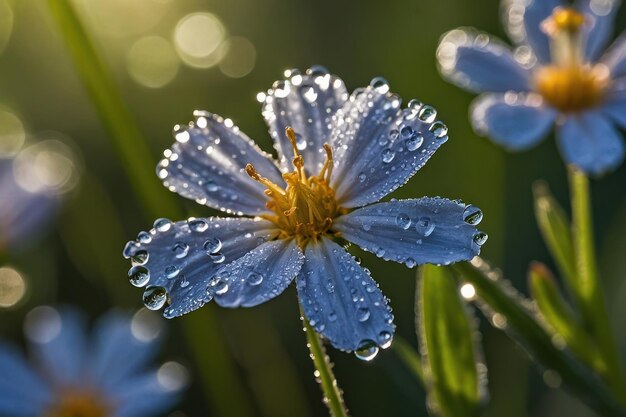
pixel 306 208
pixel 79 404
pixel 569 84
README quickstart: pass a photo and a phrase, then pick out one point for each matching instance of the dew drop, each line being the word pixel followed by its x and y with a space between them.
pixel 211 186
pixel 154 297
pixel 480 238
pixel 180 250
pixel 367 350
pixel 309 93
pixel 393 134
pixel 129 248
pixel 410 262
pixel 300 142
pixel 363 314
pixel 424 226
pixel 406 132
pixel 198 225
pixel 144 237
pixel 217 258
pixel 427 114
pixel 317 70
pixel 414 142
pixel 219 285
pixel 380 85
pixel 439 129
pixel 403 221
pixel 171 271
pixel 162 225
pixel 139 258
pixel 212 245
pixel 472 215
pixel 384 339
pixel 254 278
pixel 332 316
pixel 388 155
pixel 362 177
pixel 139 276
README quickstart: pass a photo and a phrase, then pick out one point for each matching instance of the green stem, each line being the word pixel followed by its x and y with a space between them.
pixel 324 373
pixel 589 287
pixel 225 391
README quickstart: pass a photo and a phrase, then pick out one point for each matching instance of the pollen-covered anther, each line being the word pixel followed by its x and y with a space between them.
pixel 574 88
pixel 563 19
pixel 306 207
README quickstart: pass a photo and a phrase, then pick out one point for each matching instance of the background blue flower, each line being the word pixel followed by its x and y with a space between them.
pixel 533 87
pixel 73 372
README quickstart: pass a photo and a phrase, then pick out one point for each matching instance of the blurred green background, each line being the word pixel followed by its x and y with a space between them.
pixel 173 56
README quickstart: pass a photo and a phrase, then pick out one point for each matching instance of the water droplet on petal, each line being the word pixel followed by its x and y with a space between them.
pixel 424 226
pixel 144 237
pixel 139 258
pixel 211 186
pixel 300 142
pixel 363 314
pixel 472 215
pixel 439 129
pixel 367 350
pixel 427 114
pixel 198 225
pixel 154 297
pixel 407 132
pixel 480 238
pixel 414 142
pixel 171 271
pixel 380 85
pixel 410 262
pixel 308 92
pixel 362 177
pixel 217 258
pixel 332 316
pixel 388 155
pixel 384 339
pixel 162 225
pixel 212 245
pixel 254 278
pixel 403 220
pixel 139 276
pixel 317 70
pixel 219 285
pixel 180 249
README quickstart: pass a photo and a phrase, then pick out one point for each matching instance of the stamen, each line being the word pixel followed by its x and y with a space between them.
pixel 327 169
pixel 298 161
pixel 269 184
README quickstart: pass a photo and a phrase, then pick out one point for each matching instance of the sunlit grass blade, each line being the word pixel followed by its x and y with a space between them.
pixel 561 319
pixel 589 285
pixel 448 347
pixel 556 231
pixel 510 312
pixel 333 397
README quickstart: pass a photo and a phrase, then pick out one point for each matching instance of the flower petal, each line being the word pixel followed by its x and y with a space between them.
pixel 599 30
pixel 615 57
pixel 522 20
pixel 260 275
pixel 181 258
pixel 307 104
pixel 58 342
pixel 146 395
pixel 515 121
pixel 22 391
pixel 591 142
pixel 378 146
pixel 207 164
pixel 341 300
pixel 614 105
pixel 476 62
pixel 416 231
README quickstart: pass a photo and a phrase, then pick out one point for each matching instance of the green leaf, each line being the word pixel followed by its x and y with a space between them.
pixel 448 346
pixel 560 318
pixel 555 229
pixel 497 298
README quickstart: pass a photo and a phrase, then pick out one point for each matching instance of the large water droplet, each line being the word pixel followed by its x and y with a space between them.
pixel 212 245
pixel 130 248
pixel 407 132
pixel 300 142
pixel 480 238
pixel 219 285
pixel 388 155
pixel 403 220
pixel 472 215
pixel 144 237
pixel 380 85
pixel 367 350
pixel 171 271
pixel 410 262
pixel 317 70
pixel 154 297
pixel 254 278
pixel 217 258
pixel 162 225
pixel 139 258
pixel 309 93
pixel 363 314
pixel 139 276
pixel 384 339
pixel 439 129
pixel 198 225
pixel 180 249
pixel 424 226
pixel 427 114
pixel 414 142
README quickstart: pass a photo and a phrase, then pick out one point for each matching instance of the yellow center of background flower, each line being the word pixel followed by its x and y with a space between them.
pixel 306 208
pixel 79 404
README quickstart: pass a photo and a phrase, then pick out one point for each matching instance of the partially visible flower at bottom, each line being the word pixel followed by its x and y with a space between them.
pixel 73 374
pixel 339 155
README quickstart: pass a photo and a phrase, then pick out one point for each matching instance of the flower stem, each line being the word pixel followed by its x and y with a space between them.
pixel 589 287
pixel 323 371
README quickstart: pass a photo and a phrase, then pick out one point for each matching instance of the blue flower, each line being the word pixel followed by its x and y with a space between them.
pixel 76 375
pixel 338 156
pixel 556 75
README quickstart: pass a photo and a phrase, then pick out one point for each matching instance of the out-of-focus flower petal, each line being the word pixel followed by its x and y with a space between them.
pixel 207 164
pixel 476 62
pixel 522 20
pixel 417 231
pixel 615 57
pixel 591 142
pixel 58 342
pixel 177 260
pixel 614 105
pixel 306 103
pixel 22 392
pixel 515 121
pixel 341 300
pixel 144 395
pixel 600 29
pixel 117 336
pixel 260 275
pixel 378 146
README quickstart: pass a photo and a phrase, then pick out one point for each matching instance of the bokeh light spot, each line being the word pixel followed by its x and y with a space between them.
pixel 152 61
pixel 239 58
pixel 47 165
pixel 197 38
pixel 42 324
pixel 146 325
pixel 172 376
pixel 12 135
pixel 12 287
